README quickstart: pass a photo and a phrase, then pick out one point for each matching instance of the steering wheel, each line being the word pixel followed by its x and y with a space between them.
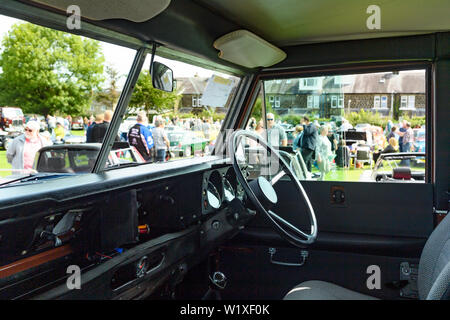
pixel 263 196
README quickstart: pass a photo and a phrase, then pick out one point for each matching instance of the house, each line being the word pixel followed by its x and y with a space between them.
pixel 191 90
pixel 331 95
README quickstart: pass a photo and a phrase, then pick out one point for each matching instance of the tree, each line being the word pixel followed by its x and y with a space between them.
pixel 151 99
pixel 46 71
pixel 110 95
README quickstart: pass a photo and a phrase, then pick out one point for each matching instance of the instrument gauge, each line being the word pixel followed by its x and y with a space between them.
pixel 213 196
pixel 229 192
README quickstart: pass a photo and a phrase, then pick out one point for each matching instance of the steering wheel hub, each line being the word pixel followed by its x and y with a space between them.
pixel 261 192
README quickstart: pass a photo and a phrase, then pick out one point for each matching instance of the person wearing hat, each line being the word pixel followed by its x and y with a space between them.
pixel 22 150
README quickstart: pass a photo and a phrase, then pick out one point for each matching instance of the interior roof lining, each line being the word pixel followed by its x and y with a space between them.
pixel 134 35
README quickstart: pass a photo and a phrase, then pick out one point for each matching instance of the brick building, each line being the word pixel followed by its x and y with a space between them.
pixel 331 95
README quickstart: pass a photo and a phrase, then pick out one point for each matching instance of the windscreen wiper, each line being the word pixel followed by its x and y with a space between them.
pixel 124 165
pixel 33 176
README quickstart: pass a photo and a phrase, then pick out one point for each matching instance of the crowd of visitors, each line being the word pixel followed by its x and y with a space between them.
pixel 323 147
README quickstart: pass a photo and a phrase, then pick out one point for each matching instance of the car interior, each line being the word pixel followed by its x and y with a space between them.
pixel 244 222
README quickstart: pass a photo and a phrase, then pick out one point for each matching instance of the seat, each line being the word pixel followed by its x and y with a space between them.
pixel 433 279
pixel 321 290
pixel 363 155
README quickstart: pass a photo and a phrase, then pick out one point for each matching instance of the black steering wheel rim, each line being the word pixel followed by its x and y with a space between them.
pixel 295 235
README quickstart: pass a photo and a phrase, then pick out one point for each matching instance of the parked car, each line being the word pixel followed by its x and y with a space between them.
pixel 77 123
pixel 397 167
pixel 80 158
pixel 12 122
pixel 186 143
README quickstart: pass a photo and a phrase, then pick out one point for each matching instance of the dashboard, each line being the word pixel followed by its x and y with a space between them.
pixel 127 241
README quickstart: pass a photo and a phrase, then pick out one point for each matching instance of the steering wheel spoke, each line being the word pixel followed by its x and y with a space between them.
pixel 287 223
pixel 277 177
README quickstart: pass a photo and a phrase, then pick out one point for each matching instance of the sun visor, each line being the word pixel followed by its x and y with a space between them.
pixel 133 10
pixel 247 49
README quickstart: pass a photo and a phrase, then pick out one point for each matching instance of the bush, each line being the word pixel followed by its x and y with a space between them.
pixel 416 121
pixel 375 119
pixel 202 114
pixel 295 119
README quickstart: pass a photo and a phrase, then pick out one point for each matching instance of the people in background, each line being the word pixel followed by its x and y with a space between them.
pixel 276 136
pixel 333 140
pixel 60 132
pixel 97 120
pixel 407 142
pixel 298 138
pixel 400 132
pixel 388 129
pixel 392 133
pixel 162 143
pixel 390 148
pixel 141 137
pixel 85 123
pixel 99 130
pixel 259 129
pixel 309 142
pixel 407 137
pixel 51 123
pixel 323 152
pixel 22 150
pixel 342 155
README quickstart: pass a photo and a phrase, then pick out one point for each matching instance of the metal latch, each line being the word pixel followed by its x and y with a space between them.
pixel 303 254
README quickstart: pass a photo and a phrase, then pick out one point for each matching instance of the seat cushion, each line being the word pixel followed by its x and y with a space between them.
pixel 321 290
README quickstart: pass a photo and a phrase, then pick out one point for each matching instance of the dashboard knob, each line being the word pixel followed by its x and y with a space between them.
pixel 215 225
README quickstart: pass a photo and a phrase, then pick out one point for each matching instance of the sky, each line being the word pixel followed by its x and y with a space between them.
pixel 121 58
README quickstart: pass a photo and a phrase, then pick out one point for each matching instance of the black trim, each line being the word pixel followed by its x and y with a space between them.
pixel 337 242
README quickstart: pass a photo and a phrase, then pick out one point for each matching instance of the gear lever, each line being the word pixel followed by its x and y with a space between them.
pixel 217 282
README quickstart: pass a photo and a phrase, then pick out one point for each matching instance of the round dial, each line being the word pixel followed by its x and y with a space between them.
pixel 213 196
pixel 229 192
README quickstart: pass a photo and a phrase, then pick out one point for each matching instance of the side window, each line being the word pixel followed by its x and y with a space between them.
pixel 358 127
pixel 168 126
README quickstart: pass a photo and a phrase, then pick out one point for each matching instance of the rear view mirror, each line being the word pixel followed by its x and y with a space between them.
pixel 162 77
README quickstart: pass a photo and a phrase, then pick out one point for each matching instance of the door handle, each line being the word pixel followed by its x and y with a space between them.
pixel 303 254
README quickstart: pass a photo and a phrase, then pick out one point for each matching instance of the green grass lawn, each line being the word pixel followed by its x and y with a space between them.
pixel 77 132
pixel 343 174
pixel 4 165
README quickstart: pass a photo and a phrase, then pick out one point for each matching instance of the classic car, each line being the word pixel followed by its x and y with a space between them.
pixel 397 167
pixel 80 158
pixel 204 228
pixel 186 143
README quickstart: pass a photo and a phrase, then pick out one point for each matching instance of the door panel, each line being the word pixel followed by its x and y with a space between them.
pixel 384 209
pixel 380 224
pixel 263 280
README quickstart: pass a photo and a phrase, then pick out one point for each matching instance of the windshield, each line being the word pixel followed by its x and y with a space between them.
pixel 66 82
pixel 70 95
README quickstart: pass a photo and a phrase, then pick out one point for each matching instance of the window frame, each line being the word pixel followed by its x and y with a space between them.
pixel 377 102
pixel 372 67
